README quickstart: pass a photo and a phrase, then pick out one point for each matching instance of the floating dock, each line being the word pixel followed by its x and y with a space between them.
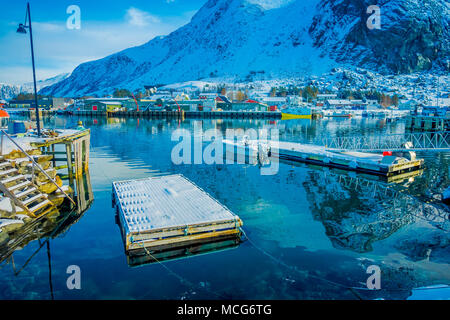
pixel 371 163
pixel 162 213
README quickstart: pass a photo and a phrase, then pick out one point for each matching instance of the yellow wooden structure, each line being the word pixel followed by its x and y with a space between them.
pixel 75 149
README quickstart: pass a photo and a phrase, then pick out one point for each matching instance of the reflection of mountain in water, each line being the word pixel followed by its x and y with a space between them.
pixel 357 212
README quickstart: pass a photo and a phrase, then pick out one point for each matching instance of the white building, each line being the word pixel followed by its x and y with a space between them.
pixel 208 95
pixel 275 101
pixel 326 96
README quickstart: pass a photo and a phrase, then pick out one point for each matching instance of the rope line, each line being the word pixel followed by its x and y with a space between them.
pixel 351 289
pixel 179 277
pixel 186 281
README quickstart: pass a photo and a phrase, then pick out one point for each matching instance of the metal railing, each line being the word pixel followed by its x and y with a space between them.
pixel 424 141
pixel 35 164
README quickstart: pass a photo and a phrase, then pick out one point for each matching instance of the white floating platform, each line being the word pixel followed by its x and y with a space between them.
pixel 356 161
pixel 168 211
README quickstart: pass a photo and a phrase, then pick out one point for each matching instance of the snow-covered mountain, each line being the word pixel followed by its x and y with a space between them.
pixel 28 87
pixel 245 40
pixel 414 34
pixel 8 91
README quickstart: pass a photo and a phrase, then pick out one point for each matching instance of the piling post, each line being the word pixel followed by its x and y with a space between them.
pixel 69 162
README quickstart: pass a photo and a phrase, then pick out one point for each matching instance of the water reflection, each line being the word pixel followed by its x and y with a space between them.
pixel 322 223
pixel 53 225
pixel 135 260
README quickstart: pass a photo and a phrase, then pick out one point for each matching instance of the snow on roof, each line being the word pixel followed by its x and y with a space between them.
pixel 272 99
pixel 25 142
pixel 112 102
pixel 342 101
pixel 107 99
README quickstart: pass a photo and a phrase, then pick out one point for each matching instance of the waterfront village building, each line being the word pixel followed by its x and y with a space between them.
pixel 160 96
pixel 45 103
pixel 326 96
pixel 294 100
pixel 208 96
pixel 405 104
pixel 258 94
pixel 62 103
pixel 248 105
pixel 104 104
pixel 341 103
pixel 193 104
pixel 275 101
pixel 372 102
pixel 436 111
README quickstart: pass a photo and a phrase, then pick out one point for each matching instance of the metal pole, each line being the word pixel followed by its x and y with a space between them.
pixel 34 72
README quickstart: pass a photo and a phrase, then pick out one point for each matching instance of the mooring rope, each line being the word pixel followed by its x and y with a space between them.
pixel 351 289
pixel 182 279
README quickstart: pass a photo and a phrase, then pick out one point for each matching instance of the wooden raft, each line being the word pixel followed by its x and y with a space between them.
pixel 165 212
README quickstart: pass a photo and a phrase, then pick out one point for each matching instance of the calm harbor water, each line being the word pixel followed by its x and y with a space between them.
pixel 312 231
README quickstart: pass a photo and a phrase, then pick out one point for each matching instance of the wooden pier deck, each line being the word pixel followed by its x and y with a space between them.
pixel 74 154
pixel 184 114
pixel 161 213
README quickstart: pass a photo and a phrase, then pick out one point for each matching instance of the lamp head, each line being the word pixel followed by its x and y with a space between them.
pixel 21 29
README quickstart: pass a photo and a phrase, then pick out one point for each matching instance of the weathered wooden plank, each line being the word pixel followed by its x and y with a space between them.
pixel 166 210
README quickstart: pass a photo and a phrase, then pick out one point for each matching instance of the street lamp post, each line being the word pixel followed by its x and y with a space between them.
pixel 23 29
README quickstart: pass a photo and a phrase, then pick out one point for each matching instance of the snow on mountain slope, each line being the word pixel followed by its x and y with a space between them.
pixel 414 34
pixel 246 40
pixel 8 91
pixel 237 38
pixel 29 87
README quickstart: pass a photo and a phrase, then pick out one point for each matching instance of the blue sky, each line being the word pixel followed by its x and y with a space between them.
pixel 106 27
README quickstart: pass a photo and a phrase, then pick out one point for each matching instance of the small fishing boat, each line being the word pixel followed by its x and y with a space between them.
pixel 296 109
pixel 296 112
pixel 336 113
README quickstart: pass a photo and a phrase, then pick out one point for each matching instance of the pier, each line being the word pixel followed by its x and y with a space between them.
pixel 166 212
pixel 71 148
pixel 184 114
pixel 372 163
pixel 428 123
pixel 29 173
pixel 426 141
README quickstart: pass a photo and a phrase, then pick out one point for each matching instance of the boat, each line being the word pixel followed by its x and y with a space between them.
pixel 336 113
pixel 296 110
pixel 296 113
